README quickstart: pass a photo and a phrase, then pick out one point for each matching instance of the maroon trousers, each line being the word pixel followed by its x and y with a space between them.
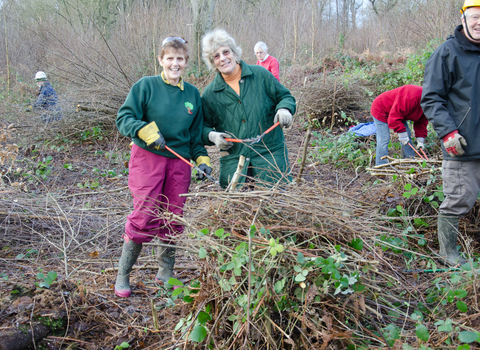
pixel 155 183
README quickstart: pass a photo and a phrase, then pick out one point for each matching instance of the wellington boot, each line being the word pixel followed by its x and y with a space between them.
pixel 447 238
pixel 166 261
pixel 130 253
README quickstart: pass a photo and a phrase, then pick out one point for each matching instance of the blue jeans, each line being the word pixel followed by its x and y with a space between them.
pixel 383 138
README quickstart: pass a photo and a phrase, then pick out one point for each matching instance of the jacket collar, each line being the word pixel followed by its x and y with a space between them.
pixel 219 83
pixel 463 41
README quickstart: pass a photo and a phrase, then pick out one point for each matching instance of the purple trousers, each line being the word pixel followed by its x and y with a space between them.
pixel 155 183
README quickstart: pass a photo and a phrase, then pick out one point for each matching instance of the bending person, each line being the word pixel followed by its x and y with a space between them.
pixel 391 110
pixel 160 110
pixel 242 102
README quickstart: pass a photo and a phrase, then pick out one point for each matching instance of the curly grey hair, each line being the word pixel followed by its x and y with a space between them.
pixel 260 45
pixel 215 39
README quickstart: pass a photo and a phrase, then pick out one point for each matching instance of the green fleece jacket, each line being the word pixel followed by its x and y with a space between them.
pixel 178 114
pixel 247 116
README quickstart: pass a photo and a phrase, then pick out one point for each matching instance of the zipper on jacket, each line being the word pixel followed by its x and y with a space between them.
pixel 464 117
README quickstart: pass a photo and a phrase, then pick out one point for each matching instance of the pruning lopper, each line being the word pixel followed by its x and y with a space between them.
pixel 193 166
pixel 189 163
pixel 256 139
pixel 426 158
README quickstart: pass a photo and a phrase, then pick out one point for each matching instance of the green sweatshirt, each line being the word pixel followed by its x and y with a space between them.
pixel 178 114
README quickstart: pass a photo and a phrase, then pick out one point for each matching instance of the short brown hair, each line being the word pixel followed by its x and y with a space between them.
pixel 176 46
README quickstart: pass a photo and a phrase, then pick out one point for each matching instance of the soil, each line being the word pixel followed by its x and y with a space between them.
pixel 66 215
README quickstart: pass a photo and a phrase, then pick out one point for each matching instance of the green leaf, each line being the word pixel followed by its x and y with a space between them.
pixel 202 253
pixel 463 347
pixel 278 287
pixel 52 275
pixel 186 298
pixel 460 293
pixel 408 186
pixel 203 318
pixel 462 306
pixel 300 258
pixel 198 334
pixel 219 233
pixel 422 332
pixel 407 194
pixel 468 337
pixel 446 326
pixel 44 285
pixel 356 243
pixel 40 276
pixel 272 242
pixel 124 345
pixel 300 278
pixel 175 282
pixel 177 291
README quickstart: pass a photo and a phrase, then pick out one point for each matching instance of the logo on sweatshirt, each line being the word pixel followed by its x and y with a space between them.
pixel 189 107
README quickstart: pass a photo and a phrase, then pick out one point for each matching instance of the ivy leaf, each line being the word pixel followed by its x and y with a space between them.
pixel 422 332
pixel 300 278
pixel 44 285
pixel 202 253
pixel 203 317
pixel 198 334
pixel 175 282
pixel 356 243
pixel 462 306
pixel 177 291
pixel 446 327
pixel 468 337
pixel 300 258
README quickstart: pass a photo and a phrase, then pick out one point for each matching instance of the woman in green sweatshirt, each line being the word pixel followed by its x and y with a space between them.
pixel 160 110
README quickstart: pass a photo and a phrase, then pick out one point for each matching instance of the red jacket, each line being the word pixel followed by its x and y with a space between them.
pixel 272 65
pixel 398 105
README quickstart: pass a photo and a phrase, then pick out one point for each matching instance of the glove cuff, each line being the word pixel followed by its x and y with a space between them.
pixel 148 131
pixel 203 160
pixel 450 135
pixel 421 139
pixel 403 135
pixel 211 136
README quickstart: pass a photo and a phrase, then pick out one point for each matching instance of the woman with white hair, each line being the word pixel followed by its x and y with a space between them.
pixel 265 60
pixel 244 101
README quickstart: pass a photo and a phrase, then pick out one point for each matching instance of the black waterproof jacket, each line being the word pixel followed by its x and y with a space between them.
pixel 451 92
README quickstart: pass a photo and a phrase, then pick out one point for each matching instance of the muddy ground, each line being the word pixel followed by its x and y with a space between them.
pixel 63 207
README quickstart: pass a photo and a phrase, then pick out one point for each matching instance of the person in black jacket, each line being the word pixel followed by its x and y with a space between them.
pixel 450 101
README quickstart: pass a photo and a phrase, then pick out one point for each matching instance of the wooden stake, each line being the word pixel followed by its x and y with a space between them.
pixel 236 175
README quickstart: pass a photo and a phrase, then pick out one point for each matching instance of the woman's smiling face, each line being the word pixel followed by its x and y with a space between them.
pixel 173 63
pixel 224 60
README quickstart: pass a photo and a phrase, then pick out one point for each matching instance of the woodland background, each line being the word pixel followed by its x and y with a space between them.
pixel 345 257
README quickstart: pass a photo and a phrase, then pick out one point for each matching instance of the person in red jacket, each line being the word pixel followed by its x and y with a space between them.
pixel 391 110
pixel 265 60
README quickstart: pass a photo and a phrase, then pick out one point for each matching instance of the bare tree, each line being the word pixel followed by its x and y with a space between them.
pixel 381 7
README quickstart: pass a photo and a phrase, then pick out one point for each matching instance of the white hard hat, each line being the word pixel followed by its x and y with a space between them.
pixel 40 76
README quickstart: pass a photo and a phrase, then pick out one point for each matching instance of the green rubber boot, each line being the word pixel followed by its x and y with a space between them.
pixel 130 253
pixel 166 261
pixel 447 238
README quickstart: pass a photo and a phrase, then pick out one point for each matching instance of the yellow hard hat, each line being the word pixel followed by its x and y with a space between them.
pixel 470 3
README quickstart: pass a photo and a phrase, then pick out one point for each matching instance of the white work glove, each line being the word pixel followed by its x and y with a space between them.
pixel 403 137
pixel 284 117
pixel 420 142
pixel 453 143
pixel 218 138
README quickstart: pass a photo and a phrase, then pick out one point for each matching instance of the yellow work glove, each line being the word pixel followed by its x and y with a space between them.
pixel 152 136
pixel 203 164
